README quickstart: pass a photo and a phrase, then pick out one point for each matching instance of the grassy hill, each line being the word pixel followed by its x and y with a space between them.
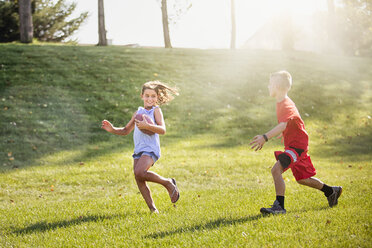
pixel 66 182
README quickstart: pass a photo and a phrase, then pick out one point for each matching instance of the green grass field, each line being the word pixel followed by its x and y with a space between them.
pixel 64 182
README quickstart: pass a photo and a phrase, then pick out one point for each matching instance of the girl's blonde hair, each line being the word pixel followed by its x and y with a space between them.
pixel 164 92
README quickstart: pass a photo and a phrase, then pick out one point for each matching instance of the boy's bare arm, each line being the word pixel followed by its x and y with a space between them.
pixel 259 140
pixel 278 129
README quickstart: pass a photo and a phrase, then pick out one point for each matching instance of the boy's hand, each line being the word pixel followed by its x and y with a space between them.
pixel 258 142
pixel 107 126
pixel 280 136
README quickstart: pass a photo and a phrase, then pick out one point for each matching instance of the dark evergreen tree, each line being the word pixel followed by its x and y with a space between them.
pixel 50 19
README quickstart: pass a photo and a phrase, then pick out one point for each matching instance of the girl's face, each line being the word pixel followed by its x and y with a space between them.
pixel 150 98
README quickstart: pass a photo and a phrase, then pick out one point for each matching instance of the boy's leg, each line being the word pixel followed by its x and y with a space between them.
pixel 277 172
pixel 312 182
pixel 278 206
pixel 279 183
pixel 142 173
pixel 332 193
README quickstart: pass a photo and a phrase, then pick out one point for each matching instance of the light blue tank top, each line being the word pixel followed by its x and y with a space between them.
pixel 144 142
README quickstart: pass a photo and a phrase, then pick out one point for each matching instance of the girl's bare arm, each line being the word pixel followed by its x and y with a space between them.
pixel 159 127
pixel 106 125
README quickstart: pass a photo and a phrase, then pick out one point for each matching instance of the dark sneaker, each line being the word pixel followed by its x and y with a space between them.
pixel 275 209
pixel 333 199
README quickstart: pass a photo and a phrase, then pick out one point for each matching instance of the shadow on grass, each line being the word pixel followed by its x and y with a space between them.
pixel 45 226
pixel 299 211
pixel 220 222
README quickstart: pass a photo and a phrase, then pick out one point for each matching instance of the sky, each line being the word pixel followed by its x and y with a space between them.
pixel 207 24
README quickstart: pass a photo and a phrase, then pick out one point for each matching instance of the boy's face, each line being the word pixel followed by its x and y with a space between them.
pixel 150 98
pixel 272 87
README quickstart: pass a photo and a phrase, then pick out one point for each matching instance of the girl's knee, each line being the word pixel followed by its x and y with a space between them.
pixel 140 174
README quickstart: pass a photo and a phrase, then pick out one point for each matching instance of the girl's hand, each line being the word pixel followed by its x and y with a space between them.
pixel 258 142
pixel 142 124
pixel 106 125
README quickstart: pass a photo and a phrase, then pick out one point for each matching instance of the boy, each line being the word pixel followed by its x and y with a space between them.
pixel 295 156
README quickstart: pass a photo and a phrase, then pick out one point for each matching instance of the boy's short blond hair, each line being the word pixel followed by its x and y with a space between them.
pixel 283 79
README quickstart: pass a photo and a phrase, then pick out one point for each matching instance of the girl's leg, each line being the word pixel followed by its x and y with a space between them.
pixel 277 172
pixel 142 175
pixel 145 191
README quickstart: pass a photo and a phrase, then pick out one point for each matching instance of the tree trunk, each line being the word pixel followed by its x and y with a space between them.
pixel 331 23
pixel 26 28
pixel 287 31
pixel 331 8
pixel 164 13
pixel 233 25
pixel 102 41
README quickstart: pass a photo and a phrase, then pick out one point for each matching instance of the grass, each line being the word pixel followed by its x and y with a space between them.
pixel 67 183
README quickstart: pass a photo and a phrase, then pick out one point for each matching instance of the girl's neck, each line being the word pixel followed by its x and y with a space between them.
pixel 148 107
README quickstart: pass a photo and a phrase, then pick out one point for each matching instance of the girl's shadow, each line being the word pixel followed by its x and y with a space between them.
pixel 45 226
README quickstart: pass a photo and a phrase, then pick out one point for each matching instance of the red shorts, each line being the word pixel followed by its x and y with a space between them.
pixel 301 166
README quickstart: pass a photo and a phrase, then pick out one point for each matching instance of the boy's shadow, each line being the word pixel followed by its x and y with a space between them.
pixel 45 226
pixel 220 222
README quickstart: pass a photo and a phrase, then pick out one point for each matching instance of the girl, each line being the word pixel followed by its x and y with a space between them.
pixel 147 147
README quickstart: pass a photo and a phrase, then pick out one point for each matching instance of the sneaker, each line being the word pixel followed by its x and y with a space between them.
pixel 333 199
pixel 154 211
pixel 275 209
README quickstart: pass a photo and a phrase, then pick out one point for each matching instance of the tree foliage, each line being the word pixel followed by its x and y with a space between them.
pixel 9 21
pixel 51 20
pixel 178 8
pixel 354 26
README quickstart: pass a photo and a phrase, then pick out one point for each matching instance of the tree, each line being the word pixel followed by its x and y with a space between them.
pixel 164 13
pixel 354 26
pixel 25 21
pixel 233 25
pixel 51 20
pixel 102 41
pixel 9 21
pixel 331 25
pixel 171 16
pixel 287 32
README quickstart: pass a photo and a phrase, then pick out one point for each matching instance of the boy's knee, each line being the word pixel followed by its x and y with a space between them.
pixel 302 181
pixel 277 169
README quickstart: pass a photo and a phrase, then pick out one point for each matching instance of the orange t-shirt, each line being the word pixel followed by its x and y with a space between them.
pixel 294 134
